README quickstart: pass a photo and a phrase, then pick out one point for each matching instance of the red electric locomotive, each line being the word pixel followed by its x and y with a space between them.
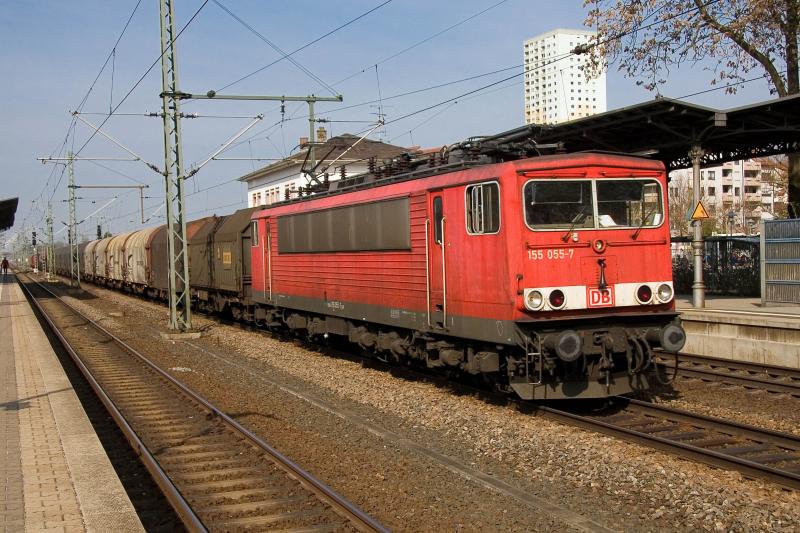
pixel 549 276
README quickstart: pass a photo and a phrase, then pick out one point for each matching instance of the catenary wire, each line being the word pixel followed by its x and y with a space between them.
pixel 318 39
pixel 545 64
pixel 474 91
pixel 114 171
pixel 88 93
pixel 421 42
pixel 255 135
pixel 142 77
pixel 275 47
pixel 397 54
pixel 471 93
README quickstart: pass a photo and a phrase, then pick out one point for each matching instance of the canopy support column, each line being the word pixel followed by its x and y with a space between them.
pixel 698 246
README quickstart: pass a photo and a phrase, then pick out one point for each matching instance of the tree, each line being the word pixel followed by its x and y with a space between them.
pixel 775 172
pixel 680 202
pixel 648 38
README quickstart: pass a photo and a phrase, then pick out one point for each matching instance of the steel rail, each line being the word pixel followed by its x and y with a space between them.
pixel 349 511
pixel 760 376
pixel 595 423
pixel 779 438
pixel 602 424
pixel 171 492
pixel 716 458
pixel 674 447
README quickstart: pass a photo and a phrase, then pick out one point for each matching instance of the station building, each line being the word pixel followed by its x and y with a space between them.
pixel 556 87
pixel 339 157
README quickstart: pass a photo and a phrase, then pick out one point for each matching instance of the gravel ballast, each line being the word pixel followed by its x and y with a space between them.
pixel 375 438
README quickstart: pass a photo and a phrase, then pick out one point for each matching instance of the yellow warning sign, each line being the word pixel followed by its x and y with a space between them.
pixel 699 212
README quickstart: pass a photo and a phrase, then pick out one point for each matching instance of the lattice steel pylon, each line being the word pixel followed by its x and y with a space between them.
pixel 180 310
pixel 50 256
pixel 74 259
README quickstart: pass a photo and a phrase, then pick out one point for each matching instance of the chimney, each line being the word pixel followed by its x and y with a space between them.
pixel 322 135
pixel 303 142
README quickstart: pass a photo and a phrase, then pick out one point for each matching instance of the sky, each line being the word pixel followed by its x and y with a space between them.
pixel 52 51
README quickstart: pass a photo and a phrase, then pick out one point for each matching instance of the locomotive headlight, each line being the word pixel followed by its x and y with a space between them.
pixel 644 294
pixel 534 300
pixel 664 293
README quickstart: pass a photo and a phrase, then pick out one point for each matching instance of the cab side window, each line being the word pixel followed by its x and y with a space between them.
pixel 438 215
pixel 254 233
pixel 483 208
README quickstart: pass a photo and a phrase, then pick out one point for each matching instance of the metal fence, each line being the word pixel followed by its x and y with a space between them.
pixel 780 264
pixel 730 265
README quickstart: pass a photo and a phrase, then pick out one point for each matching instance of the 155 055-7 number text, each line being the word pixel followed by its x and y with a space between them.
pixel 539 255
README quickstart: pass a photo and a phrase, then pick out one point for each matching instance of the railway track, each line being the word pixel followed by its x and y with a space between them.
pixel 216 474
pixel 776 379
pixel 755 452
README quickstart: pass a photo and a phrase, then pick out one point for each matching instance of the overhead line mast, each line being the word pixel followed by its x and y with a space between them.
pixel 180 308
pixel 50 249
pixel 74 258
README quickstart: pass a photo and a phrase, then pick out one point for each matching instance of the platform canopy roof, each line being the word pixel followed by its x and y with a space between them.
pixel 667 129
pixel 8 209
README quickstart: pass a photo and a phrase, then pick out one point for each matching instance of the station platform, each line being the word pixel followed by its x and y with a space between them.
pixel 742 329
pixel 56 475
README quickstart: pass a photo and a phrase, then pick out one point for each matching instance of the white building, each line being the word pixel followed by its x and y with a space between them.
pixel 342 156
pixel 739 192
pixel 556 89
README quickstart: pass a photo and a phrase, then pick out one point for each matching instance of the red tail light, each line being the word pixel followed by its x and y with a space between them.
pixel 644 294
pixel 557 299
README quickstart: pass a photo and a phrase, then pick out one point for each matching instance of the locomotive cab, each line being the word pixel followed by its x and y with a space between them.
pixel 595 293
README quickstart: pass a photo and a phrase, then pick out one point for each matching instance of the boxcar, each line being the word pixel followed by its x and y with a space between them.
pixel 136 251
pixel 89 261
pixel 158 258
pixel 102 260
pixel 117 258
pixel 220 260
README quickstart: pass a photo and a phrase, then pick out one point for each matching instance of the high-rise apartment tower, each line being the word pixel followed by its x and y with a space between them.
pixel 556 89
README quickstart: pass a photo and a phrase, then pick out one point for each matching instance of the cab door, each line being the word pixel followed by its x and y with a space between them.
pixel 260 257
pixel 266 260
pixel 246 260
pixel 436 235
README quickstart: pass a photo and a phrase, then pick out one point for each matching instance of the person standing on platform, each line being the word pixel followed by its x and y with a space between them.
pixel 4 266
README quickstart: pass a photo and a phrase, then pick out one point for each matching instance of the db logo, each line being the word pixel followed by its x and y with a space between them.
pixel 598 298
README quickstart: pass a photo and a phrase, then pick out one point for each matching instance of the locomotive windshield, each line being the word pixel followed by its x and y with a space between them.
pixel 629 203
pixel 619 203
pixel 559 204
